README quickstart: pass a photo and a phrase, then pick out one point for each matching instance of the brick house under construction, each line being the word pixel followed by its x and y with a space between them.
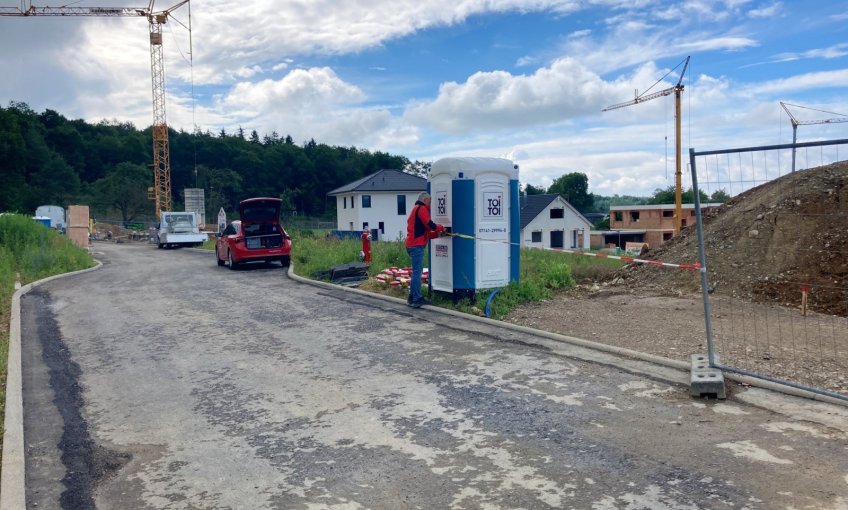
pixel 651 224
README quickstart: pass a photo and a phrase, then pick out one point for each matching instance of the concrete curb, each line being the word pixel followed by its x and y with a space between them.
pixel 682 366
pixel 13 479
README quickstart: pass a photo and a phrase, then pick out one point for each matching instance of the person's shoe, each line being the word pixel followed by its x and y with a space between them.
pixel 419 304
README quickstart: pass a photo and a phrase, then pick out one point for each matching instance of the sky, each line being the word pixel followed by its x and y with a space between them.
pixel 525 80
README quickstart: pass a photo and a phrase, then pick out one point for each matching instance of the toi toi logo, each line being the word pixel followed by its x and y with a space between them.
pixel 494 206
pixel 441 206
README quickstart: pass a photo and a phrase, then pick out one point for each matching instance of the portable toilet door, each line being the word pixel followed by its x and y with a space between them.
pixel 441 248
pixel 492 249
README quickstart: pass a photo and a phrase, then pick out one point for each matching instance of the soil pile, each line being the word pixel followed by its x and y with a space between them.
pixel 765 245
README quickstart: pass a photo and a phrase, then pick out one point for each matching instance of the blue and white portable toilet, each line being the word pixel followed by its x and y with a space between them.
pixel 476 198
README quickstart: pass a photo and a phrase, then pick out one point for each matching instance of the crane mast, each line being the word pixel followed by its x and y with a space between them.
pixel 795 123
pixel 161 152
pixel 678 173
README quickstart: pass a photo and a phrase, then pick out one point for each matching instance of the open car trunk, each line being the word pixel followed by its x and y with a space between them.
pixel 259 220
pixel 261 236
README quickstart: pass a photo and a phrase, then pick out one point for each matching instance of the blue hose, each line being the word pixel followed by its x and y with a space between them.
pixel 488 308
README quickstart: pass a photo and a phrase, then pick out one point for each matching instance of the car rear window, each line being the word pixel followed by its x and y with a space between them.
pixel 260 213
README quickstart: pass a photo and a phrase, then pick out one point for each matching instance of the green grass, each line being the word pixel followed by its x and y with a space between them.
pixel 34 252
pixel 543 272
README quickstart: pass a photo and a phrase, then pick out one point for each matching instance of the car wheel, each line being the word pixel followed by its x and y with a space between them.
pixel 160 246
pixel 232 262
pixel 220 262
pixel 285 261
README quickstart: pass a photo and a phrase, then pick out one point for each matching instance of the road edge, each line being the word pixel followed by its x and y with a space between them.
pixel 13 477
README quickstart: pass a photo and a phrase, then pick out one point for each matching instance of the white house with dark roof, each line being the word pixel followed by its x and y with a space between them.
pixel 549 221
pixel 382 201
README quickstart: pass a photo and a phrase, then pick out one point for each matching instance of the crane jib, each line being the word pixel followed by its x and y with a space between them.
pixel 74 11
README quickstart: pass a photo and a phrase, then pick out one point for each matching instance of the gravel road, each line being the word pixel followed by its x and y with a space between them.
pixel 162 381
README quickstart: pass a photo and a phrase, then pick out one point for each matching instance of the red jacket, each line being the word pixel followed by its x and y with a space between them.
pixel 419 227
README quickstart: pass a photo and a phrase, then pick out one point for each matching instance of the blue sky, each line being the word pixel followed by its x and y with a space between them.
pixel 521 79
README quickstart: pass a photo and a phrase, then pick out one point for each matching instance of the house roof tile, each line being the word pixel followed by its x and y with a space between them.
pixel 383 180
pixel 535 204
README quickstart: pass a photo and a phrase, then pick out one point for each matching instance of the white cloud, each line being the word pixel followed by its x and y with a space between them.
pixel 767 11
pixel 835 51
pixel 312 103
pixel 808 81
pixel 498 99
pixel 331 27
pixel 718 43
pixel 301 89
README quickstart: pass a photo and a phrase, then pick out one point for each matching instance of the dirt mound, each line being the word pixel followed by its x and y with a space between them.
pixel 766 244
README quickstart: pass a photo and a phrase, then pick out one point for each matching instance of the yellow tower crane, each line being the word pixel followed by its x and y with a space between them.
pixel 795 123
pixel 161 191
pixel 678 91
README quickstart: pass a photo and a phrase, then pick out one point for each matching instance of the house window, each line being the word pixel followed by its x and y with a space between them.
pixel 382 227
pixel 352 203
pixel 634 216
pixel 667 236
pixel 536 237
pixel 668 213
pixel 401 201
pixel 619 216
pixel 366 201
pixel 557 214
pixel 345 202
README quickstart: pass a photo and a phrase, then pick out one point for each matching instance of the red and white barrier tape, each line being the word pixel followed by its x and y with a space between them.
pixel 696 266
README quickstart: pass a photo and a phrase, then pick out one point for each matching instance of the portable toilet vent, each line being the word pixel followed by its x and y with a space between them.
pixel 476 199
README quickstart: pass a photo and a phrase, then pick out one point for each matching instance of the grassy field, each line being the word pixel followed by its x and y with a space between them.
pixel 30 252
pixel 543 272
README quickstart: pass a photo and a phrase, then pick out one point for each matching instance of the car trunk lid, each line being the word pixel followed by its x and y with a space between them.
pixel 259 210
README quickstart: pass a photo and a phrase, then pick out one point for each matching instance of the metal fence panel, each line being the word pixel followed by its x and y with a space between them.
pixel 775 262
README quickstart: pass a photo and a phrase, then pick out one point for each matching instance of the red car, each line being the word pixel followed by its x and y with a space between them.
pixel 258 236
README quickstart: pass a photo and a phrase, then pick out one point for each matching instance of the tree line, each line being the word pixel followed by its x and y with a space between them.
pixel 46 158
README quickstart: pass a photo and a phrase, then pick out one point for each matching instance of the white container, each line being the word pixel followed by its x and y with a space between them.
pixel 56 215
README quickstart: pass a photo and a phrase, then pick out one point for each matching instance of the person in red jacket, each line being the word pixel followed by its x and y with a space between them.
pixel 419 230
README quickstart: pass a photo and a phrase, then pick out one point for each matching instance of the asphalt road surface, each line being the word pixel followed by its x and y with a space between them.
pixel 162 381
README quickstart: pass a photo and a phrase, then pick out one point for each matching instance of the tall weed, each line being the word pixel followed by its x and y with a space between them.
pixel 39 251
pixel 35 252
pixel 312 254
